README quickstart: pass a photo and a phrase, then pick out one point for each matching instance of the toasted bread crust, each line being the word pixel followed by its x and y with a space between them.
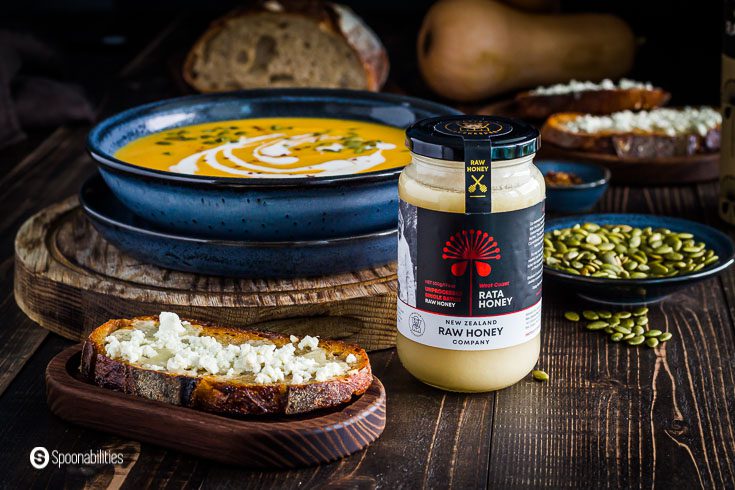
pixel 333 18
pixel 533 106
pixel 218 394
pixel 627 145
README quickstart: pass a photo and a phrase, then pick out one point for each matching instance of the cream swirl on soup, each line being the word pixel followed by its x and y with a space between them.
pixel 271 148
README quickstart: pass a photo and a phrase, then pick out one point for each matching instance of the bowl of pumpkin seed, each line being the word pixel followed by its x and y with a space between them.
pixel 628 259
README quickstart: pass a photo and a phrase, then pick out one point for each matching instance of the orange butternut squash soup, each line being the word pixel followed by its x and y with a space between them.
pixel 271 148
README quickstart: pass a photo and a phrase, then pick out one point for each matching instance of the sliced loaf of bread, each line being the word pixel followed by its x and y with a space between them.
pixel 294 44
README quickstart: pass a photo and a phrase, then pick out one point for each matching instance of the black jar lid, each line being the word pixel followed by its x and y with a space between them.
pixel 444 137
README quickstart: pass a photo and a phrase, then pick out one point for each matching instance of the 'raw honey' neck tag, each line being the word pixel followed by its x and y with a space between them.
pixel 477 177
pixel 476 133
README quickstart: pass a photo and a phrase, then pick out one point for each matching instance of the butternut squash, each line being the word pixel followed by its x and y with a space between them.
pixel 472 49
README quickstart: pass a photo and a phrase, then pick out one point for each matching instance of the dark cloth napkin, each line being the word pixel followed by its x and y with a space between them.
pixel 30 96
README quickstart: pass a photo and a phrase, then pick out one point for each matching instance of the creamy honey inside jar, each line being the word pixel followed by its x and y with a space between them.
pixel 470 253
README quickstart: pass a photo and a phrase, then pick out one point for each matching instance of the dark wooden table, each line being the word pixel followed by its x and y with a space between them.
pixel 610 416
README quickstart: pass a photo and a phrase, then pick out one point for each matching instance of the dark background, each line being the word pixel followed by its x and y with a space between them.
pixel 609 416
pixel 679 40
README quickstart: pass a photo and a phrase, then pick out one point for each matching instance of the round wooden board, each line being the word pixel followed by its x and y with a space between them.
pixel 69 280
pixel 654 171
pixel 256 442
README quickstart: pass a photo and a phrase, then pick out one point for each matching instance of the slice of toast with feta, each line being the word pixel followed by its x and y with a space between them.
pixel 665 132
pixel 605 97
pixel 223 370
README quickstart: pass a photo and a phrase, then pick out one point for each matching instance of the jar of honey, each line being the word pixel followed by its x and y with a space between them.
pixel 470 253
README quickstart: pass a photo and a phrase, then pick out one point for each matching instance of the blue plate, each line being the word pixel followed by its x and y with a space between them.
pixel 257 209
pixel 241 259
pixel 641 291
pixel 576 198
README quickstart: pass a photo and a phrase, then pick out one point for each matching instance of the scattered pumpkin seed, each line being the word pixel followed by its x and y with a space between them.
pixel 640 311
pixel 597 325
pixel 636 340
pixel 590 315
pixel 628 326
pixel 572 316
pixel 540 375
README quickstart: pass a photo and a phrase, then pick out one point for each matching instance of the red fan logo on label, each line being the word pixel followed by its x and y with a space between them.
pixel 468 248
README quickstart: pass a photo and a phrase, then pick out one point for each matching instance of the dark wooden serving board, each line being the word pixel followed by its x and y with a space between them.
pixel 651 171
pixel 70 280
pixel 255 442
pixel 628 171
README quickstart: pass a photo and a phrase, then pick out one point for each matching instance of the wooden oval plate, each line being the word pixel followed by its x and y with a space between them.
pixel 256 442
pixel 650 171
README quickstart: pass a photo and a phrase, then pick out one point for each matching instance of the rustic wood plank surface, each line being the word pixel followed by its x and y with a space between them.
pixel 70 280
pixel 610 416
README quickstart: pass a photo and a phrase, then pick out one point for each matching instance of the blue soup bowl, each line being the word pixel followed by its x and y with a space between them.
pixel 268 209
pixel 576 198
pixel 234 258
pixel 640 291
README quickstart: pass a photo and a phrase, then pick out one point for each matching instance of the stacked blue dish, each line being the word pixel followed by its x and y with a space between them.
pixel 282 226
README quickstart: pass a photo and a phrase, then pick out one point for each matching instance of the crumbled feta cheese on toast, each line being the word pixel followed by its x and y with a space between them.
pixel 178 347
pixel 574 86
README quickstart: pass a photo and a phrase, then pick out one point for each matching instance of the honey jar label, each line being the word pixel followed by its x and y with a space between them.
pixel 470 281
